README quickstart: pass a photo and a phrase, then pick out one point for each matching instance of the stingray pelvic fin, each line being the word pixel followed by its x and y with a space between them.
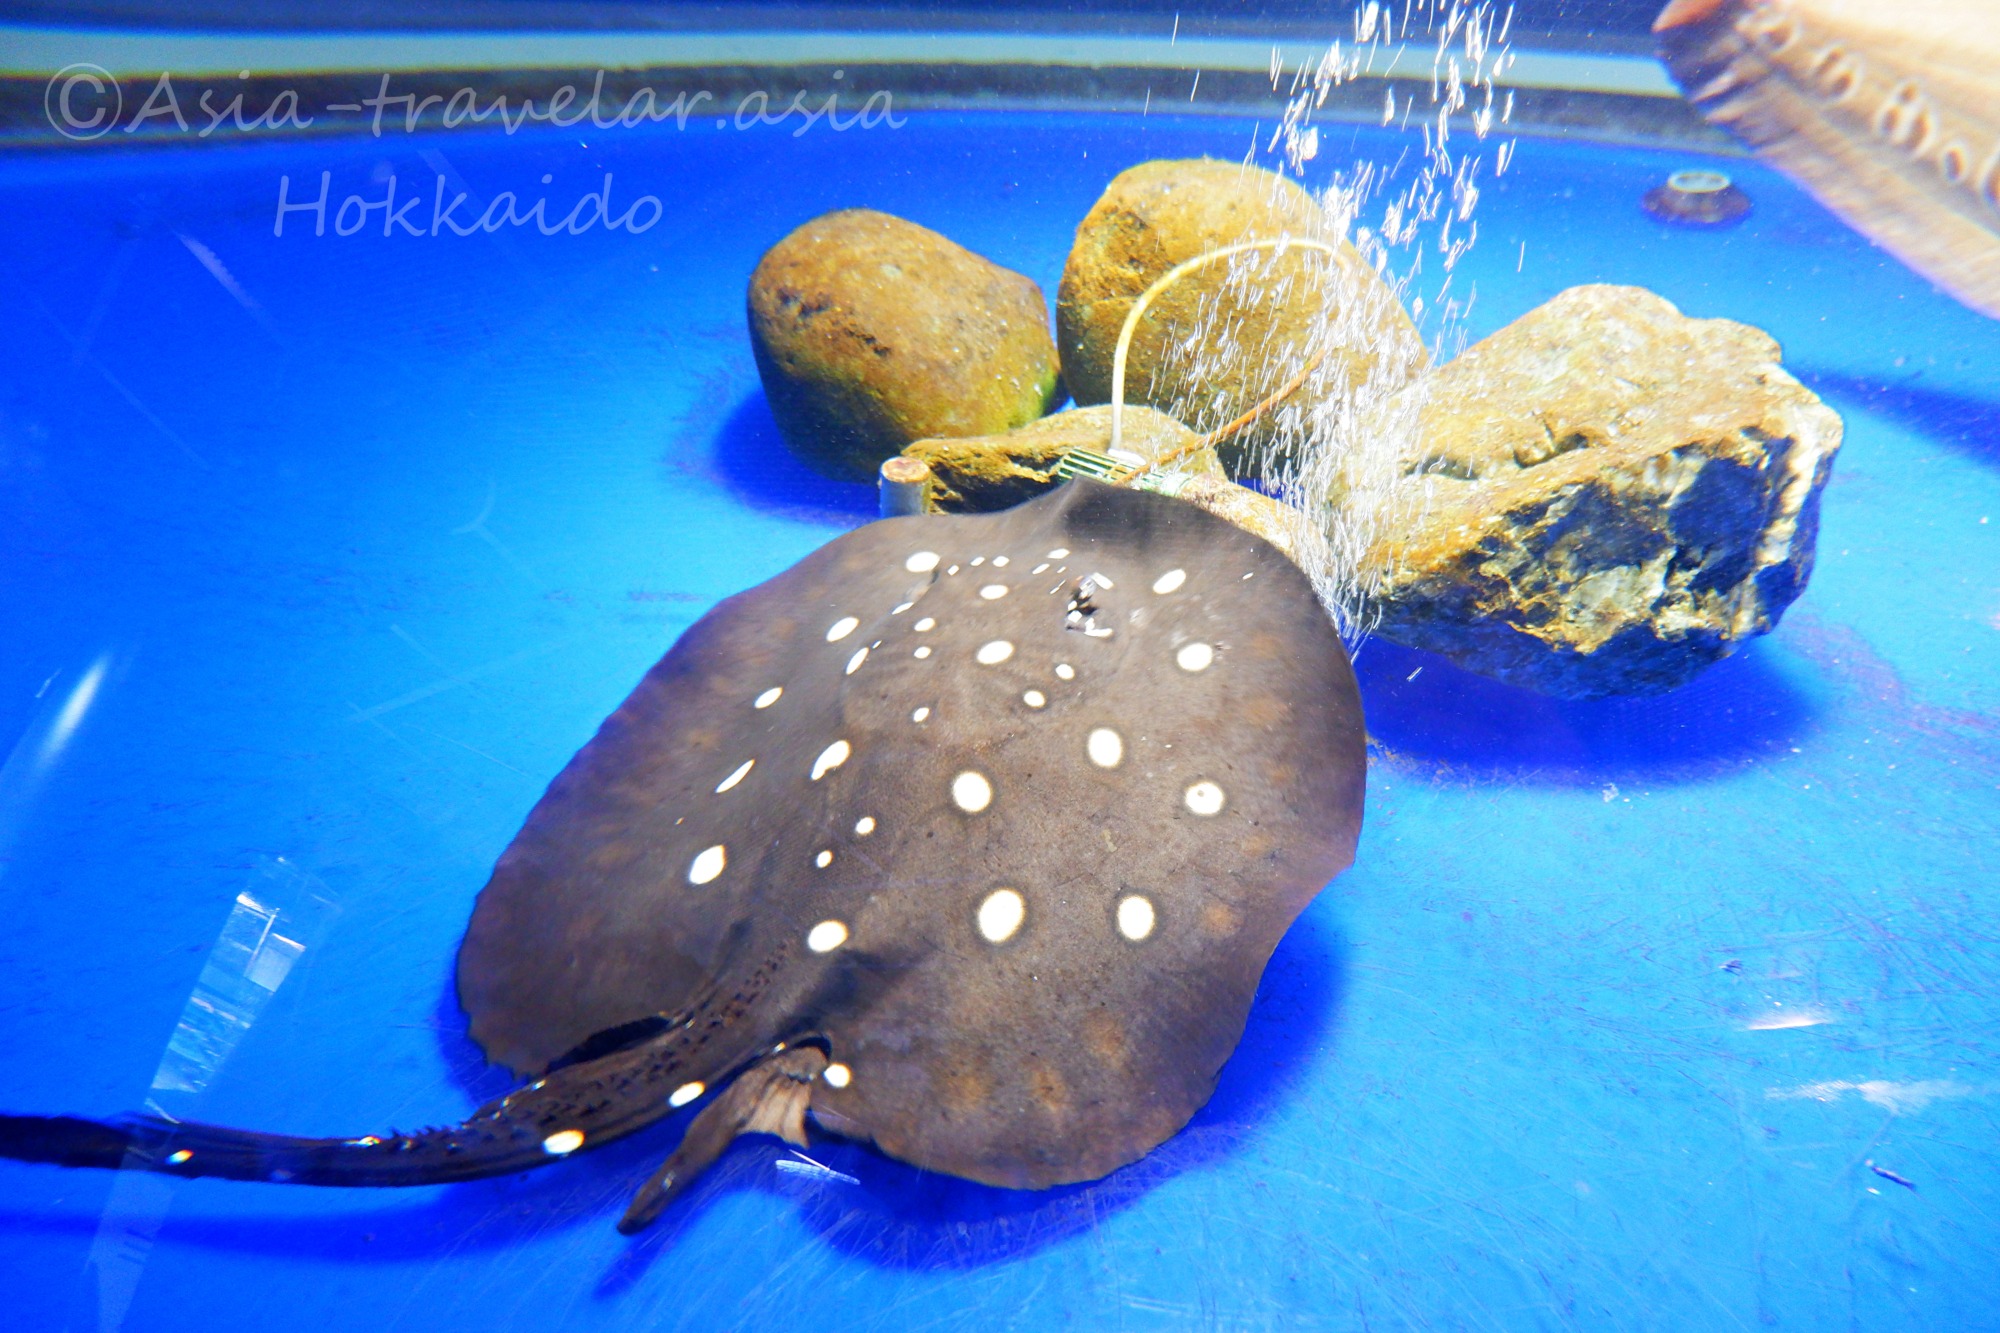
pixel 770 1097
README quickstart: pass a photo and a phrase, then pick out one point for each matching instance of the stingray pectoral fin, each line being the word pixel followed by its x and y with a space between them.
pixel 768 1098
pixel 578 1107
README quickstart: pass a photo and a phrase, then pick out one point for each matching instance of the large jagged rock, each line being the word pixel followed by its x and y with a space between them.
pixel 1620 496
pixel 1214 345
pixel 987 472
pixel 871 332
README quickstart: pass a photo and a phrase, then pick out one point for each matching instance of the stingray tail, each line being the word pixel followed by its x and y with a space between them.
pixel 576 1107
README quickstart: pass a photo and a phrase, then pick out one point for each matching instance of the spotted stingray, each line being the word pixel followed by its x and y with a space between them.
pixel 970 835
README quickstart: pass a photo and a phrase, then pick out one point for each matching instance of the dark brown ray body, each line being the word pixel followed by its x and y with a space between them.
pixel 972 835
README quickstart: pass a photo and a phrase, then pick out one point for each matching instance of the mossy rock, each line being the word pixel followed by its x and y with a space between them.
pixel 1262 325
pixel 871 332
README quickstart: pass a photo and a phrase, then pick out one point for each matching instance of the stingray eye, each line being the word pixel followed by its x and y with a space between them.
pixel 1082 612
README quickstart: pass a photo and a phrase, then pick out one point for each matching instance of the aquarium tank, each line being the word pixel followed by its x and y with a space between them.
pixel 1135 665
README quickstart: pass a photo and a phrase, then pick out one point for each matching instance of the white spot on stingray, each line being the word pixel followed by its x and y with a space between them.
pixel 1039 568
pixel 994 653
pixel 741 772
pixel 1064 671
pixel 971 792
pixel 1100 581
pixel 900 607
pixel 999 562
pixel 1061 552
pixel 686 1093
pixel 823 860
pixel 563 1142
pixel 1135 917
pixel 1170 581
pixel 1105 747
pixel 1251 575
pixel 923 562
pixel 921 653
pixel 826 936
pixel 832 757
pixel 993 592
pixel 854 662
pixel 920 715
pixel 1194 657
pixel 978 560
pixel 837 1076
pixel 708 864
pixel 770 696
pixel 1001 915
pixel 841 628
pixel 864 826
pixel 925 626
pixel 1204 798
pixel 1034 698
pixel 952 570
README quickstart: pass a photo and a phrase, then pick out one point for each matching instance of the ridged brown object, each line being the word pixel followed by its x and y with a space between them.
pixel 871 332
pixel 1263 323
pixel 1888 113
pixel 1618 497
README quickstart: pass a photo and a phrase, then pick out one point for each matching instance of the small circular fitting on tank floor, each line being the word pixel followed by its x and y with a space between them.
pixel 903 483
pixel 1697 199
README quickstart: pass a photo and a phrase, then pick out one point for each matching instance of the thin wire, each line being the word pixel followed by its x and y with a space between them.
pixel 1160 284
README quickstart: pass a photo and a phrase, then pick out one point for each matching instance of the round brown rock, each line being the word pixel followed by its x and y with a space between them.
pixel 871 332
pixel 1214 345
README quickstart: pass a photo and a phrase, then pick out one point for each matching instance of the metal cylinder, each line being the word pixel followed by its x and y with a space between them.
pixel 902 485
